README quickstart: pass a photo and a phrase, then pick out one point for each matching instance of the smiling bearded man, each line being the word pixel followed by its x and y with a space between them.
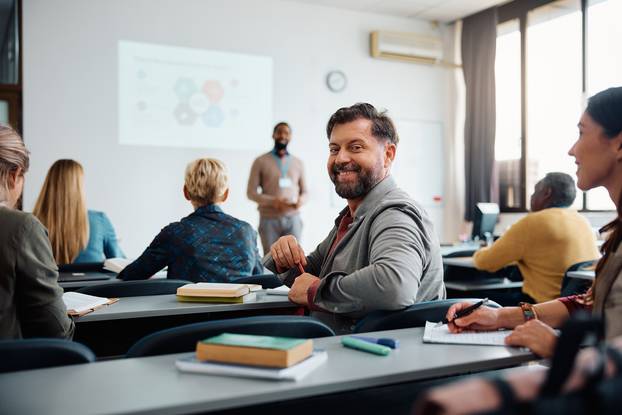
pixel 382 253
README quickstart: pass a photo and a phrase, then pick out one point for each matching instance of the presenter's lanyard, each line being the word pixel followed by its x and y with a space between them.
pixel 283 166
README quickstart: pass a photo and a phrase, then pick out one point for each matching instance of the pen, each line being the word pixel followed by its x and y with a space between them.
pixel 384 341
pixel 301 268
pixel 465 312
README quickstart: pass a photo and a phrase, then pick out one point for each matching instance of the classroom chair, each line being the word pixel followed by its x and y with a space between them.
pixel 572 286
pixel 184 338
pixel 25 354
pixel 414 316
pixel 266 280
pixel 134 288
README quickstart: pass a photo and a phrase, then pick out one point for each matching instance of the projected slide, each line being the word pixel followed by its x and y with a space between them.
pixel 183 97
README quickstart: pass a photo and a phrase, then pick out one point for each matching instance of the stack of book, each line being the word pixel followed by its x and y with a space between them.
pixel 209 292
pixel 253 356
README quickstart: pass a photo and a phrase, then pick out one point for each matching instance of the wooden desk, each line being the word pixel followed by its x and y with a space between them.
pixel 153 385
pixel 111 330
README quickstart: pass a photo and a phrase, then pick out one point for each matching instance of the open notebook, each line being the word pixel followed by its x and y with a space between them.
pixel 80 304
pixel 433 334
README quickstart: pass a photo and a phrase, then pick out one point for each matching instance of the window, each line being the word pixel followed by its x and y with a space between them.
pixel 554 95
pixel 604 57
pixel 508 143
pixel 551 55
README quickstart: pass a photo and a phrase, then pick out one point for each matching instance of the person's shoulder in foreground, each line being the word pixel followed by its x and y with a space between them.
pixel 31 303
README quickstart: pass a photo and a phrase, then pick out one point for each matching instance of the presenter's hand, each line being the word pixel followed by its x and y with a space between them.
pixel 539 337
pixel 287 253
pixel 298 291
pixel 281 204
pixel 484 318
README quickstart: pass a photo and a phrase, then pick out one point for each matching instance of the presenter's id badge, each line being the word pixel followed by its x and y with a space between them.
pixel 285 182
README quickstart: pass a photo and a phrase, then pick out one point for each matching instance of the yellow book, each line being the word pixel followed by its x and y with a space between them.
pixel 246 298
pixel 213 289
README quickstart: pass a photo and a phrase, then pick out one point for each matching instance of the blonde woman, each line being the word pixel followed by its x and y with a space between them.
pixel 77 235
pixel 208 244
pixel 31 303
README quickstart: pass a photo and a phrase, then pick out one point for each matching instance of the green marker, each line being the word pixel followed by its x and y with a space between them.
pixel 365 346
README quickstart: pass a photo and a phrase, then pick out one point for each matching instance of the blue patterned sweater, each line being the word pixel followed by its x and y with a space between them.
pixel 206 246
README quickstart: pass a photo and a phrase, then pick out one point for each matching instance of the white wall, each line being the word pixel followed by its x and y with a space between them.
pixel 70 96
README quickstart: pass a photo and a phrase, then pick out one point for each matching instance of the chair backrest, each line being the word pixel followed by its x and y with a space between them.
pixel 134 288
pixel 28 354
pixel 266 280
pixel 414 316
pixel 185 338
pixel 572 286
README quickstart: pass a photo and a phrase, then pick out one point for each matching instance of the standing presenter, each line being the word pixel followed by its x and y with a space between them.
pixel 278 186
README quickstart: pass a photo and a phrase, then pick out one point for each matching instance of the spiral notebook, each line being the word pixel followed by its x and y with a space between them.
pixel 433 334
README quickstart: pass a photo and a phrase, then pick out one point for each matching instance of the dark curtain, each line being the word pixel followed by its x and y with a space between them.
pixel 479 40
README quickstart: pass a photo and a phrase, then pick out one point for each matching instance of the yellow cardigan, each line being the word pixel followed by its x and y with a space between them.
pixel 544 244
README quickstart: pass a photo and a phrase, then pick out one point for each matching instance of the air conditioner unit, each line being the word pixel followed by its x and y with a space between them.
pixel 405 46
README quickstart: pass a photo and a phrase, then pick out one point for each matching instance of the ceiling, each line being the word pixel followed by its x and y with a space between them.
pixel 438 10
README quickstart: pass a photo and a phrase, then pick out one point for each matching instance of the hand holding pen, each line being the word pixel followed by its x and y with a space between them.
pixel 469 316
pixel 287 254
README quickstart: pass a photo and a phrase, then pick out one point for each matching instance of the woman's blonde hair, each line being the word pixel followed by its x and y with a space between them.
pixel 13 157
pixel 61 207
pixel 206 181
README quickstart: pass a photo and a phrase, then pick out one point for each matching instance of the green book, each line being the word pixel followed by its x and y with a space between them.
pixel 223 300
pixel 260 342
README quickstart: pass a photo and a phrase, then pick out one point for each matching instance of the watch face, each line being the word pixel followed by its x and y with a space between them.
pixel 336 81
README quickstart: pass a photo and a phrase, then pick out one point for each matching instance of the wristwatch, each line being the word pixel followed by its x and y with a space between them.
pixel 528 311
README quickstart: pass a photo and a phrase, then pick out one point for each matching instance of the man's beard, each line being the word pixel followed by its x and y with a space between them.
pixel 366 180
pixel 280 145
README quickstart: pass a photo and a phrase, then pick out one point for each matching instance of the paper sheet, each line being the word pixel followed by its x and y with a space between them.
pixel 441 334
pixel 282 290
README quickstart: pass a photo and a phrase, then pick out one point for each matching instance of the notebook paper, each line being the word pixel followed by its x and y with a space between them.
pixel 441 334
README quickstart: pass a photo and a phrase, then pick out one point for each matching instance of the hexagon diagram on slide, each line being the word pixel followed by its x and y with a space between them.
pixel 184 88
pixel 213 117
pixel 184 114
pixel 195 102
pixel 214 91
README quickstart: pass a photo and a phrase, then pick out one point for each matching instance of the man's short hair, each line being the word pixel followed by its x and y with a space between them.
pixel 276 127
pixel 563 189
pixel 206 180
pixel 382 126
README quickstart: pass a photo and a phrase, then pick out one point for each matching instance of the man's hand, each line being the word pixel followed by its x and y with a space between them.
pixel 535 335
pixel 281 204
pixel 298 291
pixel 287 253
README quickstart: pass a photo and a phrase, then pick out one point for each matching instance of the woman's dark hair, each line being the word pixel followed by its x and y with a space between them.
pixel 381 125
pixel 605 108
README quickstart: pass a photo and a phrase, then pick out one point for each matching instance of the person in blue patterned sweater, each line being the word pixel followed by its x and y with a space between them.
pixel 206 246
